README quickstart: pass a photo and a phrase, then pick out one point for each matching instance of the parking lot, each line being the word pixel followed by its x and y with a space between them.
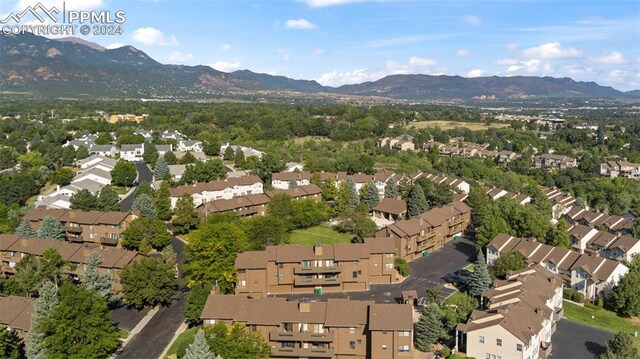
pixel 426 273
pixel 577 341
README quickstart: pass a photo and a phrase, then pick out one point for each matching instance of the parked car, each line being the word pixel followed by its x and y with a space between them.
pixel 463 273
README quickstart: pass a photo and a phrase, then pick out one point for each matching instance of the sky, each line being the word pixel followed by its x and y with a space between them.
pixel 338 42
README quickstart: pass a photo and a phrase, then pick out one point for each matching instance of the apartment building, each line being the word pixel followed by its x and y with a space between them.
pixel 615 169
pixel 16 314
pixel 429 231
pixel 497 193
pixel 519 318
pixel 286 180
pixel 588 274
pixel 456 183
pixel 391 209
pixel 400 143
pixel 104 228
pixel 616 246
pixel 203 192
pixel 292 268
pixel 561 202
pixel 337 328
pixel 14 247
pixel 612 223
pixel 548 161
pixel 127 117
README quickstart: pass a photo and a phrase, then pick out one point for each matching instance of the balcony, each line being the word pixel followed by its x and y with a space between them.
pixel 316 281
pixel 545 349
pixel 75 238
pixel 109 241
pixel 315 270
pixel 558 314
pixel 301 337
pixel 302 352
pixel 72 229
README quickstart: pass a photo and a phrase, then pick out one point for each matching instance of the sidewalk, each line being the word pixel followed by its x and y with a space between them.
pixel 180 330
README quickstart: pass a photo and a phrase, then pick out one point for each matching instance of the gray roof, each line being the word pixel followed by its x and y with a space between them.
pixel 91 186
pixel 107 161
pixel 164 148
pixel 177 169
pixel 131 147
pixel 190 142
pixel 95 171
pixel 102 148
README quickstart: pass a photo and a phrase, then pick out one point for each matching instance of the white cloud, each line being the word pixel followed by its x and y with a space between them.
pixel 475 73
pixel 414 65
pixel 318 52
pixel 614 58
pixel 325 3
pixel 152 37
pixel 115 45
pixel 512 46
pixel 284 54
pixel 472 20
pixel 271 72
pixel 336 78
pixel 180 58
pixel 463 52
pixel 225 47
pixel 227 66
pixel 532 66
pixel 551 50
pixel 300 24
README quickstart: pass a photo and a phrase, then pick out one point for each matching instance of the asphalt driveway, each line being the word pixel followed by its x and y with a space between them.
pixel 577 341
pixel 144 174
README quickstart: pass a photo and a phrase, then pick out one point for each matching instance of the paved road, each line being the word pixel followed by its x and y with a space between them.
pixel 157 334
pixel 577 341
pixel 144 174
pixel 126 317
pixel 426 274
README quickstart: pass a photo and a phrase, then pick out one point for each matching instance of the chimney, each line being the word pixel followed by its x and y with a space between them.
pixel 304 306
pixel 317 249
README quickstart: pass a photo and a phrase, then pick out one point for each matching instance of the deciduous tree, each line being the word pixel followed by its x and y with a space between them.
pixel 163 201
pixel 124 173
pixel 186 217
pixel 108 199
pixel 10 345
pixel 148 282
pixel 151 231
pixel 83 200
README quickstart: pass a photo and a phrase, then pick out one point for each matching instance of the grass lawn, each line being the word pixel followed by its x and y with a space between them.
pixel 453 298
pixel 602 318
pixel 120 189
pixel 182 341
pixel 318 234
pixel 447 125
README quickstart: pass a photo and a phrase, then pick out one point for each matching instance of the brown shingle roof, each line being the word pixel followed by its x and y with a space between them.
pixel 16 312
pixel 390 317
pixel 391 205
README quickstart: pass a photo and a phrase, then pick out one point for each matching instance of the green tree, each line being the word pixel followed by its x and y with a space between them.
pixel 371 196
pixel 391 190
pixel 10 345
pixel 268 164
pixel 144 188
pixel 42 307
pixel 104 138
pixel 79 326
pixel 108 199
pixel 236 343
pixel 204 171
pixel 195 301
pixel 145 204
pixel 558 236
pixel 50 266
pixel 281 206
pixel 508 262
pixel 211 253
pixel 186 218
pixel 329 189
pixel 490 228
pixel 150 153
pixel 265 231
pixel 93 279
pixel 238 159
pixel 51 228
pixel 148 282
pixel 163 201
pixel 170 157
pixel 124 173
pixel 25 229
pixel 480 279
pixel 228 153
pixel 83 200
pixel 346 197
pixel 625 296
pixel 429 327
pixel 150 231
pixel 82 153
pixel 357 224
pixel 480 205
pixel 308 212
pixel 188 158
pixel 416 202
pixel 620 346
pixel 161 169
pixel 199 349
pixel 26 280
pixel 62 176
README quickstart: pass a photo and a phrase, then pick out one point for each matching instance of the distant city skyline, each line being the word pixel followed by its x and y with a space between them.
pixel 338 42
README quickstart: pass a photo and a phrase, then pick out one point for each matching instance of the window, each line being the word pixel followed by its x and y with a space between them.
pixel 352 345
pixel 384 347
pixel 288 327
pixel 403 348
pixel 355 274
pixel 241 271
pixel 242 283
pixel 481 340
pixel 389 255
pixel 329 263
pixel 354 263
pixel 499 342
pixel 403 333
pixel 519 347
pixel 306 264
pixel 352 330
pixel 389 265
pixel 280 265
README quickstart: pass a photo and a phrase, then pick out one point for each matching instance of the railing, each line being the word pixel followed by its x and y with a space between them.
pixel 301 337
pixel 302 352
pixel 76 239
pixel 317 281
pixel 109 240
pixel 73 229
pixel 309 270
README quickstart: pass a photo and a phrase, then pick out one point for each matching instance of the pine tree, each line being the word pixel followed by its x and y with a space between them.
pixel 353 193
pixel 93 279
pixel 25 229
pixel 163 201
pixel 391 190
pixel 51 228
pixel 480 279
pixel 161 169
pixel 150 154
pixel 47 300
pixel 228 154
pixel 416 202
pixel 371 196
pixel 145 204
pixel 199 349
pixel 429 327
pixel 83 200
pixel 108 199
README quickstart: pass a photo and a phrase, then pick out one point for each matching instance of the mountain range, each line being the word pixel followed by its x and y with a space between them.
pixel 38 67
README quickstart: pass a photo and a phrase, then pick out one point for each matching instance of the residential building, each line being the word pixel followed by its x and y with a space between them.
pixel 13 247
pixel 548 161
pixel 198 155
pixel 615 169
pixel 127 117
pixel 94 174
pixel 588 274
pixel 337 328
pixel 518 319
pixel 248 151
pixel 104 228
pixel 505 157
pixel 16 314
pixel 163 149
pixel 171 135
pixel 132 153
pixel 176 171
pixel 612 223
pixel 98 161
pixel 429 231
pixel 391 209
pixel 496 193
pixel 293 268
pixel 400 143
pixel 294 167
pixel 286 180
pixel 456 183
pixel 561 202
pixel 203 192
pixel 616 246
pixel 189 146
pixel 104 150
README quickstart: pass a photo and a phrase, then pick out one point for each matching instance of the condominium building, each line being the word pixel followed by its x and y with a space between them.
pixel 286 180
pixel 616 246
pixel 615 169
pixel 497 193
pixel 104 228
pixel 549 161
pixel 16 314
pixel 203 192
pixel 612 223
pixel 337 328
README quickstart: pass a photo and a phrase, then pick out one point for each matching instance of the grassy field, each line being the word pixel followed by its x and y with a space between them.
pixel 601 318
pixel 447 125
pixel 183 340
pixel 318 234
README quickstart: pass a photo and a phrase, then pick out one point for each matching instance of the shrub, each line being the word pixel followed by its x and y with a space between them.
pixel 591 306
pixel 445 352
pixel 402 267
pixel 568 293
pixel 577 297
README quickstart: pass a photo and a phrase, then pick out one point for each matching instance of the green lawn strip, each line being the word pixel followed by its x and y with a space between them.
pixel 120 189
pixel 453 298
pixel 601 318
pixel 318 234
pixel 183 340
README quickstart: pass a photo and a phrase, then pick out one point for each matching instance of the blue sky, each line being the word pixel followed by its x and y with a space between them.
pixel 350 41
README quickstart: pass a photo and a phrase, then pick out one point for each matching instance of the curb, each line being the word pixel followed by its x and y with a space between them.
pixel 181 329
